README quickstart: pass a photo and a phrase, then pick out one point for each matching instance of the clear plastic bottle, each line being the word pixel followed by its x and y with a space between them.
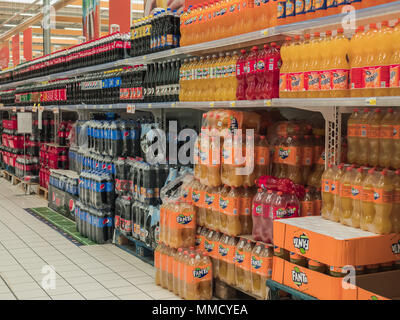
pixel 353 133
pixel 356 194
pixel 373 137
pixel 230 219
pixel 176 272
pixel 327 195
pixel 257 214
pixel 363 151
pixel 346 200
pixel 335 189
pixel 367 200
pixel 246 222
pixel 157 265
pixel 386 139
pixel 261 268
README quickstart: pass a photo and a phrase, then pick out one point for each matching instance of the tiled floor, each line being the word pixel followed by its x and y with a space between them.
pixel 28 248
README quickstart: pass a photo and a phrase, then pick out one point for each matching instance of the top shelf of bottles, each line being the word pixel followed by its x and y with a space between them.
pixel 377 13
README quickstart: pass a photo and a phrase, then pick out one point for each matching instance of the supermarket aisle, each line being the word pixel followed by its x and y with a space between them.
pixel 85 272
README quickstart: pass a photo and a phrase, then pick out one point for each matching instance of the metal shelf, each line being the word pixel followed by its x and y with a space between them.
pixel 367 15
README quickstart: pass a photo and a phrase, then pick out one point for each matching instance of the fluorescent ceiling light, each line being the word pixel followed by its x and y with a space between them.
pixel 27 14
pixel 73 6
pixel 9 25
pixel 73 29
pixel 139 11
pixel 56 38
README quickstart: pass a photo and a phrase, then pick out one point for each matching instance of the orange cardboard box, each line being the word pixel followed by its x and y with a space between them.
pixel 376 286
pixel 334 244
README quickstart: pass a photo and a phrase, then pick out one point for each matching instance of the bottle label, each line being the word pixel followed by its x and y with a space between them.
pixel 326 185
pixel 257 209
pixel 261 266
pixel 335 187
pixel 278 212
pixel 306 208
pixel 308 6
pixel 395 76
pixel 196 274
pixel 325 80
pixel 367 194
pixel 345 190
pixel 296 82
pixel 353 130
pixel 243 259
pixel 386 131
pixel 356 192
pixel 356 78
pixel 396 132
pixel 313 81
pixel 382 196
pixel 209 247
pixel 283 78
pixel 377 77
pixel 364 130
pixel 287 155
pixel 226 252
pixel 290 8
pixel 262 155
pixel 396 196
pixel 246 206
pixel 373 132
pixel 300 7
pixel 340 79
pixel 307 158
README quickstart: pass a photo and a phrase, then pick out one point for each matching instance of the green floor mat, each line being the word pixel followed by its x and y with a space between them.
pixel 63 225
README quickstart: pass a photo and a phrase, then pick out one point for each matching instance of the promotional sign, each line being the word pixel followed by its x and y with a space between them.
pixel 15 49
pixel 91 19
pixel 119 13
pixel 28 44
pixel 4 55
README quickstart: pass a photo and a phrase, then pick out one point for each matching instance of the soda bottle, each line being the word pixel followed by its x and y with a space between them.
pixel 261 72
pixel 246 222
pixel 396 203
pixel 353 134
pixel 157 266
pixel 386 139
pixel 214 254
pixel 164 266
pixel 261 268
pixel 251 69
pixel 226 254
pixel 395 62
pixel 176 271
pixel 383 202
pixel 363 151
pixel 346 200
pixel 210 200
pixel 317 202
pixel 356 194
pixel 257 210
pixel 335 190
pixel 291 156
pixel 367 199
pixel 246 266
pixel 284 71
pixel 205 274
pixel 187 224
pixel 170 267
pixel 340 65
pixel 182 271
pixel 230 219
pixel 307 204
pixel 307 159
pixel 373 137
pixel 214 210
pixel 262 157
pixel 395 163
pixel 327 195
pixel 356 54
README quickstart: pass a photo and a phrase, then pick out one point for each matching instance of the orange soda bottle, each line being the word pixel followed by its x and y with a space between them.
pixel 362 156
pixel 367 200
pixel 346 200
pixel 395 163
pixel 335 189
pixel 327 195
pixel 395 62
pixel 396 203
pixel 353 133
pixel 157 265
pixel 307 204
pixel 261 268
pixel 340 66
pixel 356 195
pixel 373 137
pixel 230 219
pixel 356 54
pixel 206 277
pixel 246 220
pixel 386 139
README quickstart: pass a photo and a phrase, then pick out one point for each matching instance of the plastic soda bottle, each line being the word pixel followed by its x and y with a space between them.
pixel 164 266
pixel 307 204
pixel 157 264
pixel 335 190
pixel 346 201
pixel 356 194
pixel 386 139
pixel 362 157
pixel 383 202
pixel 396 203
pixel 367 200
pixel 395 62
pixel 261 268
pixel 239 259
pixel 176 271
pixel 257 214
pixel 251 69
pixel 246 221
pixel 395 163
pixel 242 264
pixel 317 202
pixel 241 72
pixel 327 195
pixel 205 276
pixel 353 134
pixel 373 137
pixel 340 66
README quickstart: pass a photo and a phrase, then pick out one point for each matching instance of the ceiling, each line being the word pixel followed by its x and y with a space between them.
pixel 68 21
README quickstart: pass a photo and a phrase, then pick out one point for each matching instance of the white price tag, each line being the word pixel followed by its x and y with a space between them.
pixel 41 108
pixel 267 103
pixel 130 108
pixel 264 33
pixel 233 103
pixel 173 105
pixel 56 110
pixel 212 104
pixel 22 109
pixel 14 109
pixel 110 106
pixel 34 108
pixel 149 105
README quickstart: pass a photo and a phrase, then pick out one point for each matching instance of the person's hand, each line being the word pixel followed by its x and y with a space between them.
pixel 149 7
pixel 176 4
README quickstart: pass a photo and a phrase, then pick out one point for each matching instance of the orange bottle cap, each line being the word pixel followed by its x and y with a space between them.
pixel 385 23
pixel 340 30
pixel 328 33
pixel 372 26
pixel 297 38
pixel 377 110
pixel 288 38
pixel 317 34
pixel 390 110
pixel 307 36
pixel 255 48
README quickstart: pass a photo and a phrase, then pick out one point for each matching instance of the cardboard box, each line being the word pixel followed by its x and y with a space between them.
pixel 334 244
pixel 375 286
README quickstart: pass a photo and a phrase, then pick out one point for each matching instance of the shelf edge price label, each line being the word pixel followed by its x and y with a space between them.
pixel 56 110
pixel 130 108
pixel 22 109
pixel 110 106
pixel 34 108
pixel 41 108
pixel 212 104
pixel 267 103
pixel 371 101
pixel 173 105
pixel 149 105
pixel 264 32
pixel 14 109
pixel 233 103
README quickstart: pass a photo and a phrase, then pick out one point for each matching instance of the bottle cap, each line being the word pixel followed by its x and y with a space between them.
pixel 297 38
pixel 366 110
pixel 288 38
pixel 255 48
pixel 340 30
pixel 307 36
pixel 390 110
pixel 349 168
pixel 192 255
pixel 328 33
pixel 377 110
pixel 317 34
pixel 372 25
pixel 355 110
pixel 273 44
pixel 385 23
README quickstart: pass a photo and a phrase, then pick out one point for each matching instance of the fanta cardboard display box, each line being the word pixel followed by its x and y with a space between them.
pixel 375 286
pixel 334 244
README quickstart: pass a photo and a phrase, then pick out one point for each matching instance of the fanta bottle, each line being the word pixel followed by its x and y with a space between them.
pixel 230 222
pixel 157 265
pixel 205 269
pixel 246 265
pixel 327 195
pixel 261 73
pixel 373 137
pixel 304 54
pixel 353 133
pixel 313 67
pixel 396 142
pixel 362 156
pixel 335 189
pixel 267 220
pixel 370 62
pixel 257 214
pixel 262 157
pixel 367 198
pixel 384 43
pixel 396 203
pixel 176 272
pixel 163 266
pixel 191 287
pixel 326 66
pixel 383 202
pixel 247 194
pixel 356 194
pixel 230 261
pixel 239 260
pixel 171 268
pixel 386 139
pixel 182 271
pixel 261 268
pixel 307 204
pixel 285 68
pixel 307 159
pixel 346 200
pixel 317 202
pixel 293 159
pixel 209 199
pixel 395 62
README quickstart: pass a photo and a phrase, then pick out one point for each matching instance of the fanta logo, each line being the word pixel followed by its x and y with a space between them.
pixel 283 154
pixel 260 65
pixel 201 272
pixel 182 219
pixel 255 263
pixel 280 213
pixel 333 187
pixel 299 277
pixel 223 203
pixel 222 250
pixel 394 132
pixel 299 6
pixel 371 77
pixel 376 195
pixel 338 79
pixel 355 192
pixel 208 246
pixel 239 257
pixel 396 248
pixel 301 243
pixel 209 199
pixel 195 196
